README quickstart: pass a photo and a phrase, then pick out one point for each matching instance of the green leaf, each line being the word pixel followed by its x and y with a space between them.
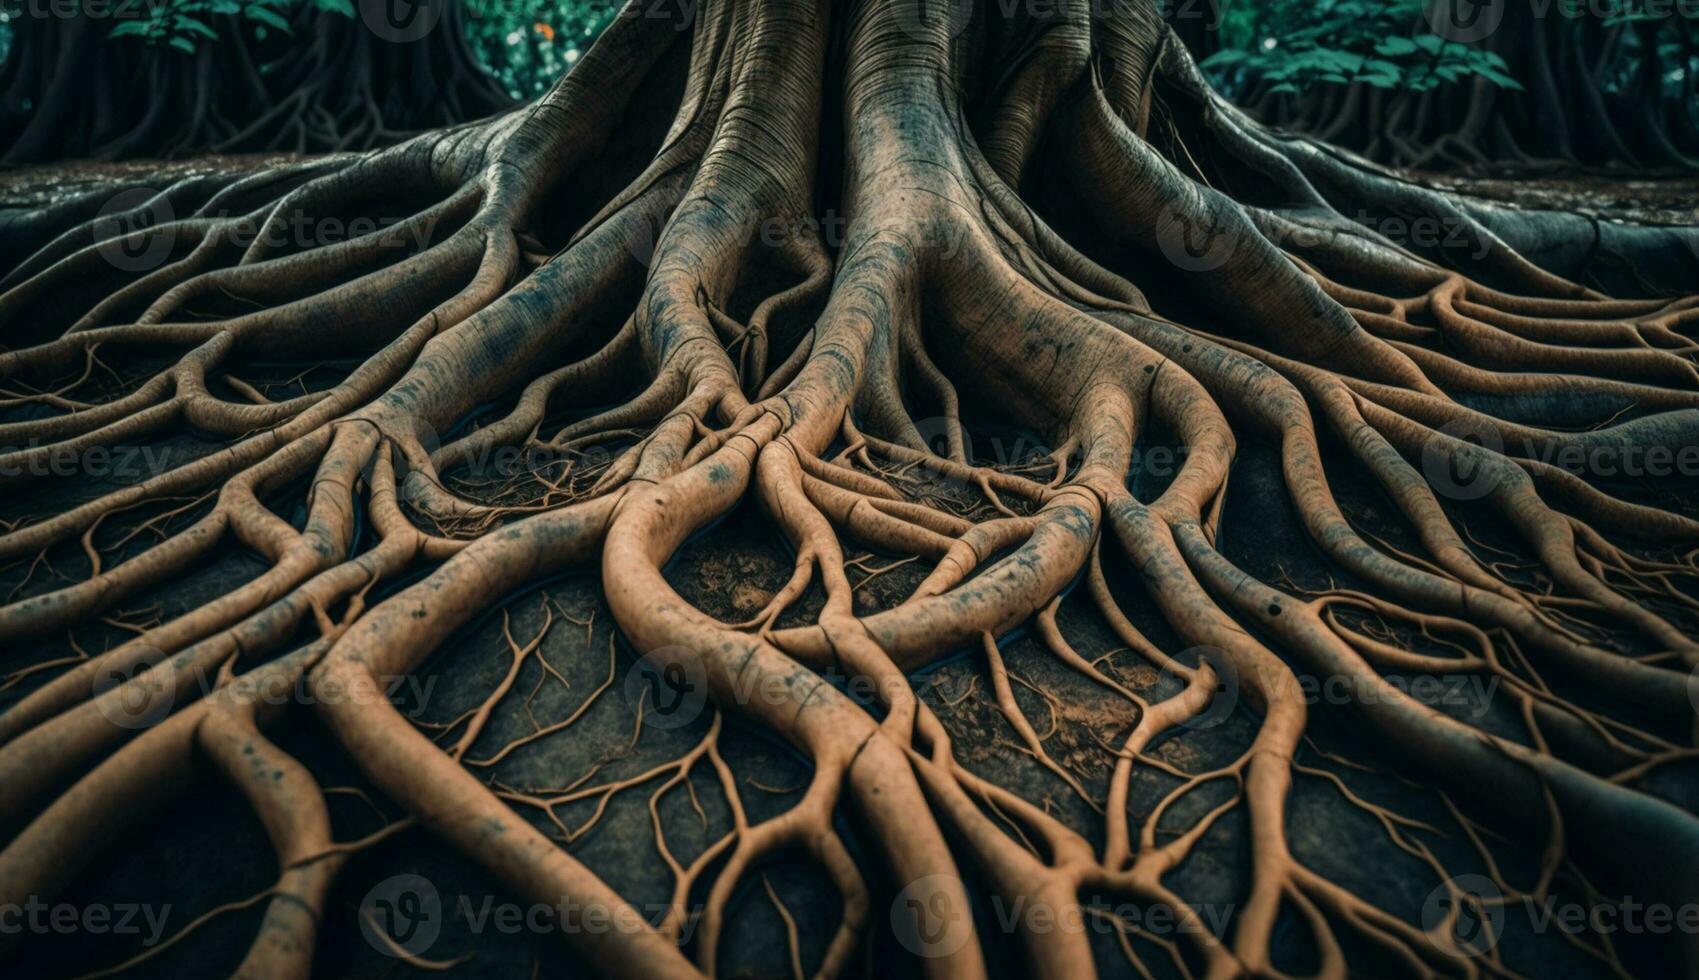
pixel 269 18
pixel 1499 78
pixel 1431 43
pixel 1225 56
pixel 194 26
pixel 183 44
pixel 129 27
pixel 1394 46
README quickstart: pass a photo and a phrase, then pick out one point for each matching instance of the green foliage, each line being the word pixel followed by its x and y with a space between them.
pixel 1267 45
pixel 1667 40
pixel 528 44
pixel 1293 45
pixel 187 24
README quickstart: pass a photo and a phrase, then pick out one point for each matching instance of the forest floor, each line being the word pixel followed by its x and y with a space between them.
pixel 1670 200
pixel 206 849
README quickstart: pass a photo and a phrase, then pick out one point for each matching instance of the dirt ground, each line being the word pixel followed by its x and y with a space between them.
pixel 1671 200
pixel 206 849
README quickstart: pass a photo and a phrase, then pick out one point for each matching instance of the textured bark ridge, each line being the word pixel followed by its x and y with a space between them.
pixel 791 241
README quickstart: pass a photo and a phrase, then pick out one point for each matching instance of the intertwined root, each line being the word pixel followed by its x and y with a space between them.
pixel 1263 319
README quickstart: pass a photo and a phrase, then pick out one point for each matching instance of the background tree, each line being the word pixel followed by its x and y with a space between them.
pixel 1447 83
pixel 202 76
